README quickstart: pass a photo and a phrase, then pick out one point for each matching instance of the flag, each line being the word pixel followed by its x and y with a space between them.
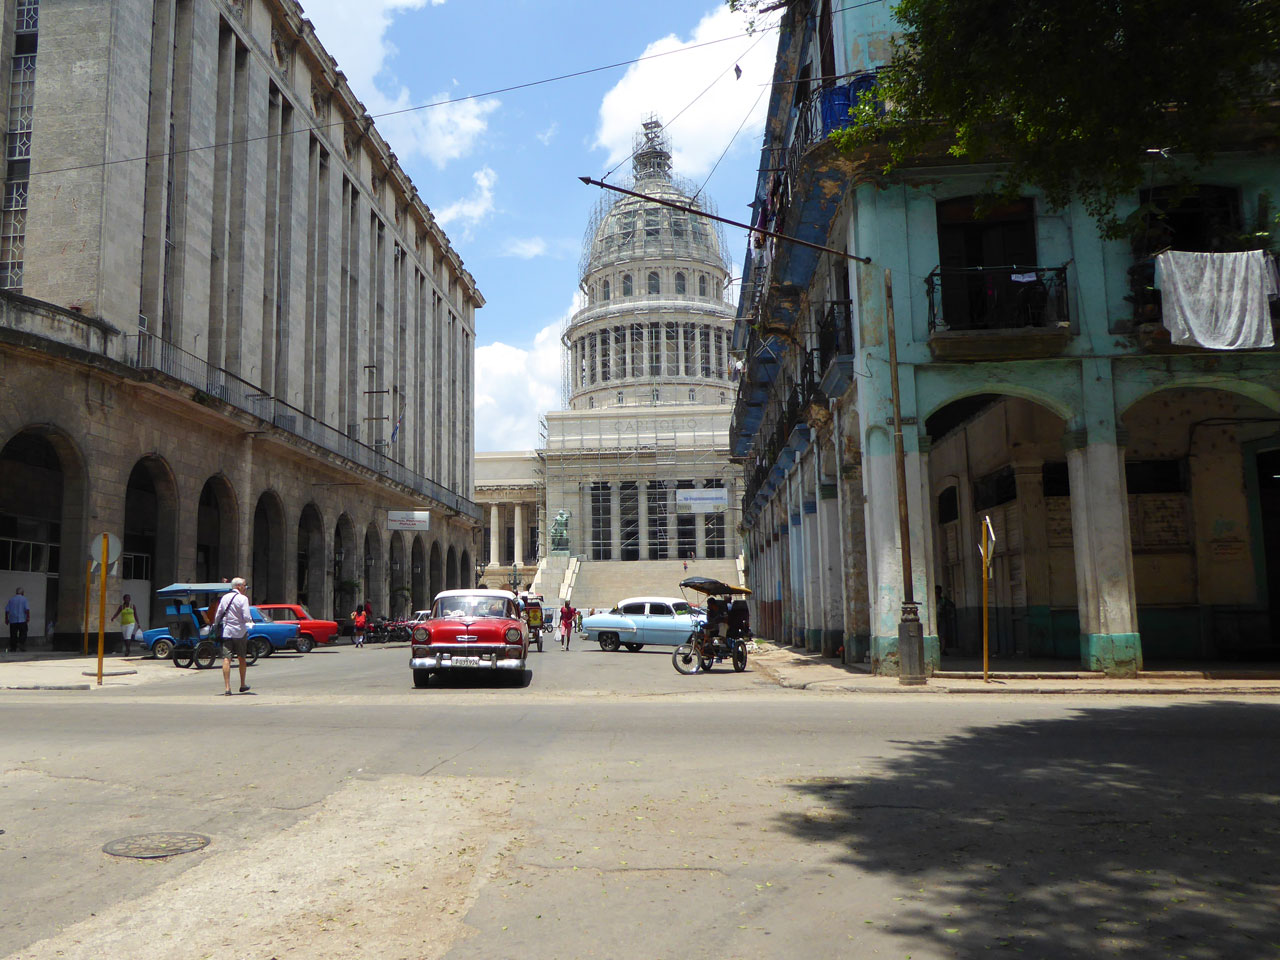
pixel 395 431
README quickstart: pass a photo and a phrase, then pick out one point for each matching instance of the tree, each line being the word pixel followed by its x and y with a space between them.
pixel 1078 98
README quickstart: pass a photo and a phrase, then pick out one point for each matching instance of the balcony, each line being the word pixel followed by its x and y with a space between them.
pixel 151 354
pixel 998 313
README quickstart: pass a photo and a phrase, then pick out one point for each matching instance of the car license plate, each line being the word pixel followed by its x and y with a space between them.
pixel 467 662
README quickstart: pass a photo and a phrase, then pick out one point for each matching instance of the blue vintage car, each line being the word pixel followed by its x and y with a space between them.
pixel 185 606
pixel 637 621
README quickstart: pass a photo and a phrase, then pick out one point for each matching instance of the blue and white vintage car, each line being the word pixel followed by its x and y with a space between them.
pixel 637 621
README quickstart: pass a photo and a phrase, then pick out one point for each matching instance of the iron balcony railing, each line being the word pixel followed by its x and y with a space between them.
pixel 153 353
pixel 826 110
pixel 997 298
pixel 835 333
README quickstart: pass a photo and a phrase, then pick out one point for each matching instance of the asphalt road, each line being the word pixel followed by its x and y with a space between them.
pixel 612 808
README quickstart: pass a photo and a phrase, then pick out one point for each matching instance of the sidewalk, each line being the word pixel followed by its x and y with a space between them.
pixel 44 670
pixel 798 669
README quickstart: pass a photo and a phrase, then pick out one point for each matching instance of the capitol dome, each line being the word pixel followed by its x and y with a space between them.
pixel 656 324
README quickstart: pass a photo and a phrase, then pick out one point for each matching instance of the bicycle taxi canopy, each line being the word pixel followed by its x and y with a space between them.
pixel 713 588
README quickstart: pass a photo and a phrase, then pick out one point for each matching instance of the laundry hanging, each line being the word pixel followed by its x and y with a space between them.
pixel 1218 300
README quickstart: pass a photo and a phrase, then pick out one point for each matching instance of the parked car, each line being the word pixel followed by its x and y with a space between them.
pixel 636 621
pixel 310 630
pixel 187 612
pixel 472 630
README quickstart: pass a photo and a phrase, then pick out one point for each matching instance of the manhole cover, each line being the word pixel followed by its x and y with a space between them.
pixel 148 846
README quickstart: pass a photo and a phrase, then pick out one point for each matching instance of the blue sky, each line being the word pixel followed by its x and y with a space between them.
pixel 501 172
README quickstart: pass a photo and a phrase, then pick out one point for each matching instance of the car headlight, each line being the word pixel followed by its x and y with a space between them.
pixel 513 634
pixel 420 635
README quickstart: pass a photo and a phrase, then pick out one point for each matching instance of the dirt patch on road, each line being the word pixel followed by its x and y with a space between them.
pixel 386 868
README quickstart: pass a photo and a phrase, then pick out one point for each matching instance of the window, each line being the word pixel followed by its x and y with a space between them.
pixel 723 397
pixel 948 505
pixel 652 222
pixel 591 403
pixel 976 249
pixel 591 293
pixel 678 226
pixel 655 284
pixel 621 400
pixel 1155 476
pixel 680 283
pixel 1201 219
pixel 655 394
pixel 632 609
pixel 604 290
pixel 994 489
pixel 702 285
pixel 626 285
pixel 693 395
pixel 660 610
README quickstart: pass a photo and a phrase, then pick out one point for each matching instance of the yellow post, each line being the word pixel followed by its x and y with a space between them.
pixel 88 585
pixel 102 605
pixel 986 642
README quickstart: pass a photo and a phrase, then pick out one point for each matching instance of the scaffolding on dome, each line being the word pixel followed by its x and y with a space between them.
pixel 599 463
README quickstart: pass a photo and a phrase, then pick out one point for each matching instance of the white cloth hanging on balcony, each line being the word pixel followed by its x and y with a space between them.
pixel 1218 300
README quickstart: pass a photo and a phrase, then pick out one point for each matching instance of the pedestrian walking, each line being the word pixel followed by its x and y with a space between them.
pixel 686 566
pixel 567 614
pixel 17 613
pixel 360 622
pixel 128 614
pixel 233 620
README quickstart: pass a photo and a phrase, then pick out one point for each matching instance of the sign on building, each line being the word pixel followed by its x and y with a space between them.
pixel 408 519
pixel 702 501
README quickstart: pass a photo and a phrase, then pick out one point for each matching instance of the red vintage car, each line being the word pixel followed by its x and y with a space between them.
pixel 471 630
pixel 310 630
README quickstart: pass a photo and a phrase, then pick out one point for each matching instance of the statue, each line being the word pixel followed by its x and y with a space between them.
pixel 560 531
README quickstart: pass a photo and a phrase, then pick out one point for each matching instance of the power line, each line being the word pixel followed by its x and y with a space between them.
pixel 390 113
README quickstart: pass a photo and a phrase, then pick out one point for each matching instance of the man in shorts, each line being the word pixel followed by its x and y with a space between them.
pixel 234 618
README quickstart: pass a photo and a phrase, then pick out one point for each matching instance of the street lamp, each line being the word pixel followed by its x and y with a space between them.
pixel 480 566
pixel 910 631
pixel 515 578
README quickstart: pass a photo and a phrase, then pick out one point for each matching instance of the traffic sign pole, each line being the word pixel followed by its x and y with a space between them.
pixel 102 604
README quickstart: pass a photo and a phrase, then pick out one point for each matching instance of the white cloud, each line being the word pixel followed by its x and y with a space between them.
pixel 469 211
pixel 667 85
pixel 525 248
pixel 356 34
pixel 548 134
pixel 515 386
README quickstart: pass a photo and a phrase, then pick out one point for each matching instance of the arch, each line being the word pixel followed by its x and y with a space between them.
pixel 345 584
pixel 418 569
pixel 465 571
pixel 435 569
pixel 626 285
pixel 400 596
pixel 150 540
pixel 266 577
pixel 682 284
pixel 654 282
pixel 311 557
pixel 451 569
pixel 217 520
pixel 375 578
pixel 43 484
pixel 702 284
pixel 1131 392
pixel 604 289
pixel 937 390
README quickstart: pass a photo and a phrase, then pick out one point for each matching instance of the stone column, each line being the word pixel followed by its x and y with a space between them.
pixel 517 521
pixel 1033 626
pixel 700 535
pixel 643 510
pixel 812 567
pixel 615 521
pixel 1109 638
pixel 495 557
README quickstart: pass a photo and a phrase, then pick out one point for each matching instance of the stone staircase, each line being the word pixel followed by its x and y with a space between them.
pixel 602 583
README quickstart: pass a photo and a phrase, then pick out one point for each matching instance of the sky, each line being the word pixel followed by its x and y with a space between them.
pixel 500 172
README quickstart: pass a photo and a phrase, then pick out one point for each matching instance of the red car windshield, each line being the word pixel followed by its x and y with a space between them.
pixel 472 608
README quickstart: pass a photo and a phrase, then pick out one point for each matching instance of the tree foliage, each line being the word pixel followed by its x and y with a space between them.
pixel 1073 96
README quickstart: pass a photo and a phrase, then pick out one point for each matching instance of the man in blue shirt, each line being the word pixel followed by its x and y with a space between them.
pixel 16 615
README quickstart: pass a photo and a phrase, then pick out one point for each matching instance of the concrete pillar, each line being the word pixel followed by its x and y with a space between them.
pixel 812 576
pixel 495 557
pixel 517 521
pixel 1033 624
pixel 643 494
pixel 615 521
pixel 700 535
pixel 1109 639
pixel 796 563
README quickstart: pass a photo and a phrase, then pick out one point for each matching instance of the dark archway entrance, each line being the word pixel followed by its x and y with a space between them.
pixel 465 571
pixel 421 599
pixel 345 584
pixel 150 535
pixel 400 598
pixel 266 580
pixel 436 569
pixel 374 577
pixel 311 569
pixel 451 569
pixel 215 531
pixel 42 546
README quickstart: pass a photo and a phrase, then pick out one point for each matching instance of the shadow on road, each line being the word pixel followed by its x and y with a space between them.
pixel 1143 831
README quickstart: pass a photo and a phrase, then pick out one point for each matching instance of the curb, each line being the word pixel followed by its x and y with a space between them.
pixel 54 686
pixel 109 673
pixel 841 686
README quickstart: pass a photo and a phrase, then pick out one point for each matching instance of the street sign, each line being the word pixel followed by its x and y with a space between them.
pixel 113 548
pixel 408 519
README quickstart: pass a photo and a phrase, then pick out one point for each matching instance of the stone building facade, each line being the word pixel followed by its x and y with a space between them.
pixel 232 333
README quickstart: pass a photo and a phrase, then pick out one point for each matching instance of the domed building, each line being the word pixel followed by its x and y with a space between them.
pixel 637 467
